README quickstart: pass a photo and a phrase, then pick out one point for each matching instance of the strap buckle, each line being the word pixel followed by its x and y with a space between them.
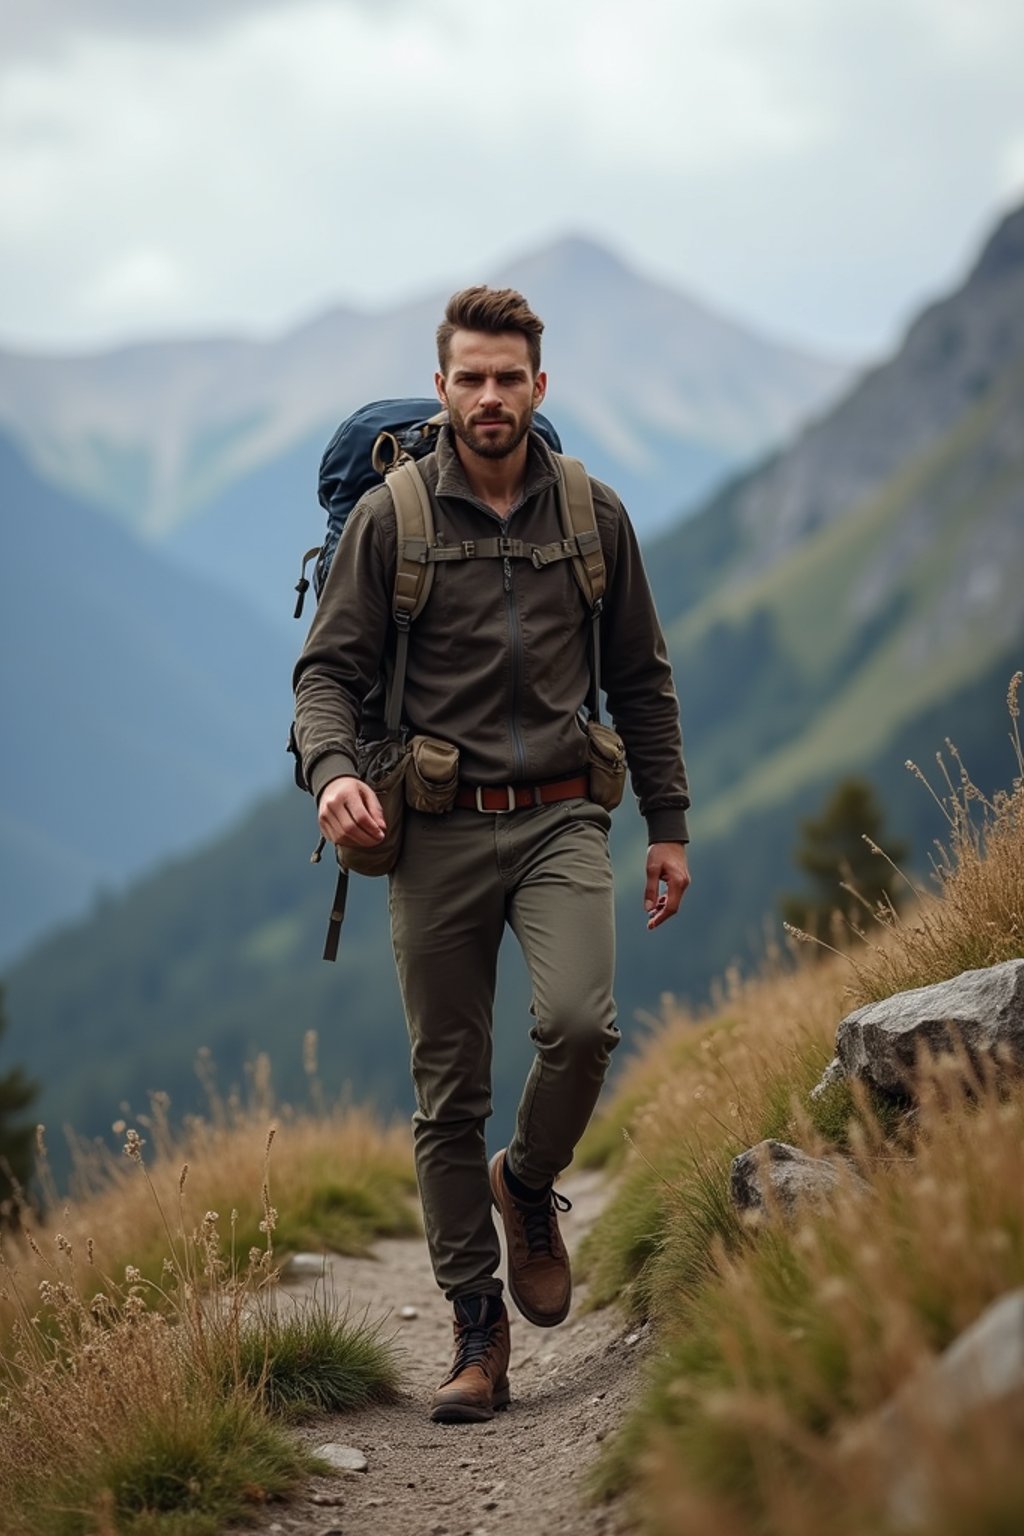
pixel 501 810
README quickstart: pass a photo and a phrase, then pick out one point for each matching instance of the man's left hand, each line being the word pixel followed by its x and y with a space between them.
pixel 666 866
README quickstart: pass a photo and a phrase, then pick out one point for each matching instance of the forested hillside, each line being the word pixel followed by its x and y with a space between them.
pixel 137 700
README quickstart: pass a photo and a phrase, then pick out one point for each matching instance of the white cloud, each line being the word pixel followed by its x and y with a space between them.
pixel 135 283
pixel 812 167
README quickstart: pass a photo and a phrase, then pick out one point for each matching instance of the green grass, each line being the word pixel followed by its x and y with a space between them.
pixel 315 1360
pixel 184 1471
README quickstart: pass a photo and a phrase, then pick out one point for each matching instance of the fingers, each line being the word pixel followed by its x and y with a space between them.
pixel 652 889
pixel 666 866
pixel 667 904
pixel 350 814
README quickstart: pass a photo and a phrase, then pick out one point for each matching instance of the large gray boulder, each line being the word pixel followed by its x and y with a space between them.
pixel 980 1011
pixel 775 1177
pixel 982 1370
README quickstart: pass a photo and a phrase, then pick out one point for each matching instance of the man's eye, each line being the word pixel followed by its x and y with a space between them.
pixel 510 378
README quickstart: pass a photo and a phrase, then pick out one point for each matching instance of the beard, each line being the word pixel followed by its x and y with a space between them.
pixel 488 445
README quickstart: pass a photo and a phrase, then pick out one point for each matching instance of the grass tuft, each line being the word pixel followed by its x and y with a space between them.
pixel 315 1360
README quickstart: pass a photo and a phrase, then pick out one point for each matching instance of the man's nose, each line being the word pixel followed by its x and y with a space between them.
pixel 490 394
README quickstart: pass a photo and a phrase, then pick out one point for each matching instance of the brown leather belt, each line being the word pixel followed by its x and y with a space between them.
pixel 515 797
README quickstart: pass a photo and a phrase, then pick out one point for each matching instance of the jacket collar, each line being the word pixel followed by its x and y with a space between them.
pixel 451 479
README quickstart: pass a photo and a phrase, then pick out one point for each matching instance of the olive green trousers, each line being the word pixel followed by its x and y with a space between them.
pixel 545 872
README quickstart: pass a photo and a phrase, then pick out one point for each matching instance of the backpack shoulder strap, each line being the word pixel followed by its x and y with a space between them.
pixel 414 572
pixel 576 504
pixel 579 523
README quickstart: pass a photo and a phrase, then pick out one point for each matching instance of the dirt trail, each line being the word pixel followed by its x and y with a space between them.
pixel 521 1474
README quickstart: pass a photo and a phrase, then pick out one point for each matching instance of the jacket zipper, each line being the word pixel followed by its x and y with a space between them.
pixel 515 634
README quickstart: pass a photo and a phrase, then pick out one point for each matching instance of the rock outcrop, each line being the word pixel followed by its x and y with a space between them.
pixel 775 1177
pixel 981 1370
pixel 981 1012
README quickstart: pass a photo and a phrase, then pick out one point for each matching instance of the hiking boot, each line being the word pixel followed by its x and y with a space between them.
pixel 539 1278
pixel 477 1383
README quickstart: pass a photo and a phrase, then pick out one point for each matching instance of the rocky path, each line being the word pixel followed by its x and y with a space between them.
pixel 524 1473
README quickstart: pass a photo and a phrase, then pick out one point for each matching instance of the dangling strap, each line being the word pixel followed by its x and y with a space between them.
pixel 302 585
pixel 337 915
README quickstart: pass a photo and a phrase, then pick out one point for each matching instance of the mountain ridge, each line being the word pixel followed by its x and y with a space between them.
pixel 156 432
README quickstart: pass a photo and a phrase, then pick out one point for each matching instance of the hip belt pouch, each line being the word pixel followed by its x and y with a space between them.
pixel 384 768
pixel 433 775
pixel 606 764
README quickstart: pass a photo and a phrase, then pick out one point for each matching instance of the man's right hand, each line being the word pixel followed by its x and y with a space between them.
pixel 350 815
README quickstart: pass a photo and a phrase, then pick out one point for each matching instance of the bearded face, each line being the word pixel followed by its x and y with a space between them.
pixel 491 434
pixel 491 391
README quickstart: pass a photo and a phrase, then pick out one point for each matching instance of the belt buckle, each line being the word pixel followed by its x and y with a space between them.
pixel 502 810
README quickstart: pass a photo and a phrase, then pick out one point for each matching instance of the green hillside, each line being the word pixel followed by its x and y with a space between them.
pixel 821 660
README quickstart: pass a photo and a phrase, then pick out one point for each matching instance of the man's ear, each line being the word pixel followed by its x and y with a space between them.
pixel 540 388
pixel 439 386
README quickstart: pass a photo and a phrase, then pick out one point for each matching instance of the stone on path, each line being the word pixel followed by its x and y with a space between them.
pixel 982 1011
pixel 302 1264
pixel 344 1458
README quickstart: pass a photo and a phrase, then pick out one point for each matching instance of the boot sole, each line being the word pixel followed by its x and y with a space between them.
pixel 538 1319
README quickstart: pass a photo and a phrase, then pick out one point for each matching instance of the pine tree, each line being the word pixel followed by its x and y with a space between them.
pixel 16 1138
pixel 834 855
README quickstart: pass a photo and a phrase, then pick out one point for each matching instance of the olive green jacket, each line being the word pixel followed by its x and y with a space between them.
pixel 498 659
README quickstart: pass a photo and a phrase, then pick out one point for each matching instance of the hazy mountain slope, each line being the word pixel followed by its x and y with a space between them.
pixel 876 616
pixel 668 392
pixel 951 360
pixel 141 706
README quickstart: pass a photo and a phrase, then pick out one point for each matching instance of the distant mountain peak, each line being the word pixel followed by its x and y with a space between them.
pixel 1004 250
pixel 580 254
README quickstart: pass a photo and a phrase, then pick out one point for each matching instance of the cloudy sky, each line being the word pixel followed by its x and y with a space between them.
pixel 817 167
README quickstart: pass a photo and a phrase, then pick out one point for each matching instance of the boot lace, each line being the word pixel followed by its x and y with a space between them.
pixel 473 1342
pixel 539 1222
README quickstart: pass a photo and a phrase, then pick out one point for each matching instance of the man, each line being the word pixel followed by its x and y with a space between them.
pixel 499 666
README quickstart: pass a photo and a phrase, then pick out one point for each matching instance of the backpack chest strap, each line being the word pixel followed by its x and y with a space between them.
pixel 578 546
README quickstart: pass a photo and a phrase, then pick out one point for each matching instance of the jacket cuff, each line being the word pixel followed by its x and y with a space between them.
pixel 333 765
pixel 667 826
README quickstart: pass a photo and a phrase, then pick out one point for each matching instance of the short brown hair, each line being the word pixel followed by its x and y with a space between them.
pixel 492 310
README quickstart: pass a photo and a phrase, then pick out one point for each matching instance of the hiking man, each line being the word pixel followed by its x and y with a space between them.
pixel 499 667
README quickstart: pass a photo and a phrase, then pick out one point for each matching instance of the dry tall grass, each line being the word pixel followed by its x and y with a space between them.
pixel 976 915
pixel 341 1179
pixel 774 1341
pixel 804 1333
pixel 142 1354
